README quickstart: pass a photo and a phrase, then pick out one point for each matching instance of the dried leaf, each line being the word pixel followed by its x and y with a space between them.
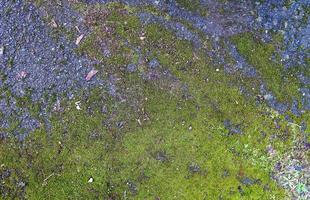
pixel 53 23
pixel 90 74
pixel 21 75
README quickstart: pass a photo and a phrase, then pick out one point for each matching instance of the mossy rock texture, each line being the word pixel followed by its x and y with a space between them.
pixel 168 113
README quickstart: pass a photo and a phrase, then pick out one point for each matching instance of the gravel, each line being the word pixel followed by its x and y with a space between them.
pixel 293 22
pixel 232 128
pixel 34 63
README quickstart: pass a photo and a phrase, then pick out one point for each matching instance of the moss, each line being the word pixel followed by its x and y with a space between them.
pixel 193 6
pixel 144 147
pixel 202 145
pixel 10 62
pixel 90 46
pixel 79 147
pixel 283 85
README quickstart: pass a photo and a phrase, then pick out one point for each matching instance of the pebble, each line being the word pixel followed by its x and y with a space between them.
pixel 194 168
pixel 161 156
pixel 90 180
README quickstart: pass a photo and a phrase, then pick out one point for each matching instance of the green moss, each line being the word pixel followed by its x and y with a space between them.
pixel 282 84
pixel 90 46
pixel 193 6
pixel 10 62
pixel 143 147
pixel 79 147
pixel 203 145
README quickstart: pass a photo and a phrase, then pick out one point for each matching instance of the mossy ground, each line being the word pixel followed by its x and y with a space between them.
pixel 161 142
pixel 279 81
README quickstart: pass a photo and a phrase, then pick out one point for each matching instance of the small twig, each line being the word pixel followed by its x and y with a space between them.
pixel 44 181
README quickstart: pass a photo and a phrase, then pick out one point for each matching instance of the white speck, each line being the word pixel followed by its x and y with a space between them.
pixel 77 105
pixel 78 40
pixel 77 28
pixel 217 70
pixel 259 19
pixel 287 56
pixel 142 38
pixel 1 51
pixel 303 94
pixel 90 180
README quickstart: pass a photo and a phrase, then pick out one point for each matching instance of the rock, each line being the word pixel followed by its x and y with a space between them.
pixel 132 187
pixel 153 63
pixel 194 168
pixel 78 105
pixel 161 156
pixel 247 181
pixel 233 129
pixel 90 180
